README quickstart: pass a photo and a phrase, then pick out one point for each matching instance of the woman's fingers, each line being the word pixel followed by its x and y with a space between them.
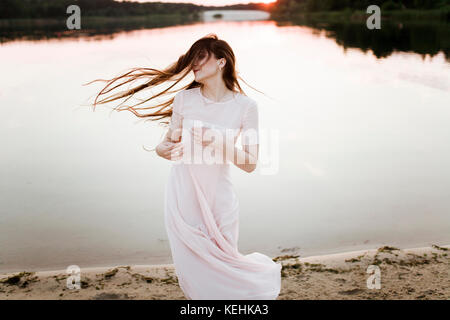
pixel 168 146
pixel 177 147
pixel 199 139
pixel 177 151
pixel 205 136
pixel 172 145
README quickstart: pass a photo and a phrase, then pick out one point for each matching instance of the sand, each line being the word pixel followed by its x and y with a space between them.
pixel 416 273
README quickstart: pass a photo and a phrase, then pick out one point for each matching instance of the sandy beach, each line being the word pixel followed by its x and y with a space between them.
pixel 415 273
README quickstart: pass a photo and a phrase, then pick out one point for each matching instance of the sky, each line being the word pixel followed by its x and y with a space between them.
pixel 208 2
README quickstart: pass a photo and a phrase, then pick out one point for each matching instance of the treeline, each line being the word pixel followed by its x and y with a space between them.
pixel 335 5
pixel 13 9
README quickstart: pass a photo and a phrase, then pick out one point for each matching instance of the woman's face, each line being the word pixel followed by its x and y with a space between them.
pixel 205 66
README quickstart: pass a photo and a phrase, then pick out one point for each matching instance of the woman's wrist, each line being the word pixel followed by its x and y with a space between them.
pixel 229 152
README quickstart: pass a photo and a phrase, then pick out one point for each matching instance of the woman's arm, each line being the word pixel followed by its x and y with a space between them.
pixel 245 158
pixel 171 144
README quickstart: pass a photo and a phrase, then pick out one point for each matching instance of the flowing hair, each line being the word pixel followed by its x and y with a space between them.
pixel 207 45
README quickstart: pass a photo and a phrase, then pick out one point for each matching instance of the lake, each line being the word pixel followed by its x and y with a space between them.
pixel 354 142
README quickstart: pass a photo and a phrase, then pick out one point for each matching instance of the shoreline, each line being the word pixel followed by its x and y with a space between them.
pixel 412 273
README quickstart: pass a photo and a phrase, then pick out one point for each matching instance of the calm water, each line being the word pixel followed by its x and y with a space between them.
pixel 361 157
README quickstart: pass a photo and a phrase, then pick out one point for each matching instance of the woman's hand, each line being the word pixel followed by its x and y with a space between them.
pixel 170 150
pixel 244 159
pixel 213 138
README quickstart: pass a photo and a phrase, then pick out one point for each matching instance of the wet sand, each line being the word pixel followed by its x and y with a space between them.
pixel 416 273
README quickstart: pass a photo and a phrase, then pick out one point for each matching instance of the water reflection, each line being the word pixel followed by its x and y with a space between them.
pixel 106 28
pixel 422 38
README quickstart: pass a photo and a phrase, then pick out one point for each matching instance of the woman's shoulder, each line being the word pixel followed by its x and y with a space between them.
pixel 183 94
pixel 188 91
pixel 246 102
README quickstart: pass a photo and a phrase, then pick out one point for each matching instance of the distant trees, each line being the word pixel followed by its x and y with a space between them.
pixel 10 9
pixel 332 5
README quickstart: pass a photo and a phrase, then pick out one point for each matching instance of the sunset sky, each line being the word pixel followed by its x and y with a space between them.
pixel 208 2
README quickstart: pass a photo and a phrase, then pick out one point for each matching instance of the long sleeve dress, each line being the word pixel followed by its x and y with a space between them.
pixel 201 212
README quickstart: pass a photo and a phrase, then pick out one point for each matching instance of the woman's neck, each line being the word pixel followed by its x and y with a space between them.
pixel 216 93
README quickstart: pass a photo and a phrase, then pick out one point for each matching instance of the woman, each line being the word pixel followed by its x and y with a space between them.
pixel 201 209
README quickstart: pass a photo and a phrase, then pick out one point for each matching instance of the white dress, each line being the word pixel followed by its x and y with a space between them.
pixel 202 210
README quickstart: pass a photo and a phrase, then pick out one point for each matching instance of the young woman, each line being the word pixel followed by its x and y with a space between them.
pixel 201 208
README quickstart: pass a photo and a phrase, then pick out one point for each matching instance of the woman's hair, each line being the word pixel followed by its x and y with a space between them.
pixel 207 45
